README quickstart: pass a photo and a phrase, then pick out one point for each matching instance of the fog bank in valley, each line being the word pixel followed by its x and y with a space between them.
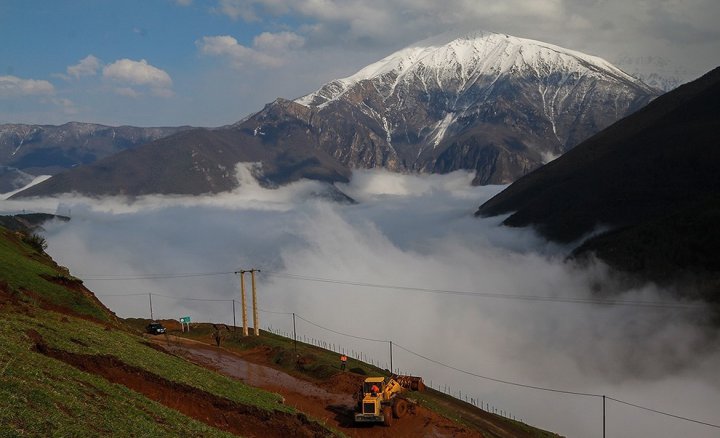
pixel 411 232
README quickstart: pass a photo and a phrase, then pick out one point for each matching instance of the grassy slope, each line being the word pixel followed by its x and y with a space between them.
pixel 40 396
pixel 35 278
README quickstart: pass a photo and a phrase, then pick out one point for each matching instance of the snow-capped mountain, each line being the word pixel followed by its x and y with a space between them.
pixel 491 102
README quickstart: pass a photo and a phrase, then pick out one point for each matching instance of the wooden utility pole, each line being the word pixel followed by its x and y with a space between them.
pixel 256 319
pixel 242 301
pixel 152 318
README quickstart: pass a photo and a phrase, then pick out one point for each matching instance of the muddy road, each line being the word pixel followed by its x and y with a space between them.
pixel 330 401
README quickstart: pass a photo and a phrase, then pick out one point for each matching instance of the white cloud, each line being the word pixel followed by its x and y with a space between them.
pixel 269 49
pixel 278 42
pixel 127 92
pixel 238 9
pixel 183 2
pixel 12 86
pixel 87 66
pixel 415 231
pixel 138 73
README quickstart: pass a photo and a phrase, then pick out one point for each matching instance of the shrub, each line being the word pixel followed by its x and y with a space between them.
pixel 36 241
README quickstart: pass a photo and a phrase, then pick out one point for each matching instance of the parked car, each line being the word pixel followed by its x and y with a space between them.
pixel 155 328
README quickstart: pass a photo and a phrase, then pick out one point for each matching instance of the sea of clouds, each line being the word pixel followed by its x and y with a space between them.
pixel 415 239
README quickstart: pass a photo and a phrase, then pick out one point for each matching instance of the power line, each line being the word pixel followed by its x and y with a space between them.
pixel 275 313
pixel 166 296
pixel 340 333
pixel 151 276
pixel 122 295
pixel 648 304
pixel 493 379
pixel 537 298
pixel 663 413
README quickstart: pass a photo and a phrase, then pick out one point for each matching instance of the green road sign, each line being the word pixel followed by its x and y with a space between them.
pixel 185 320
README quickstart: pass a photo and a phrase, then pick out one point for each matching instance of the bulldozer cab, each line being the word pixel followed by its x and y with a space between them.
pixel 379 382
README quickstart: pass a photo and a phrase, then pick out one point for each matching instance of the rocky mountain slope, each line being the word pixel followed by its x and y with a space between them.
pixel 27 150
pixel 651 178
pixel 492 103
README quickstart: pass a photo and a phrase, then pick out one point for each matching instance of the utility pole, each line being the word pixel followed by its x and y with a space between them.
pixel 391 364
pixel 152 318
pixel 603 416
pixel 256 318
pixel 294 334
pixel 242 301
pixel 234 325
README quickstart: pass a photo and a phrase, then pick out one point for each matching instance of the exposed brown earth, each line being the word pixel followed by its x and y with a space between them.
pixel 215 411
pixel 330 401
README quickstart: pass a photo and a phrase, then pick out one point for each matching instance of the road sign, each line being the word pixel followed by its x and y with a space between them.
pixel 185 319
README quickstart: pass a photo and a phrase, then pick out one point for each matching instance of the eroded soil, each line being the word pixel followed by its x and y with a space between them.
pixel 330 401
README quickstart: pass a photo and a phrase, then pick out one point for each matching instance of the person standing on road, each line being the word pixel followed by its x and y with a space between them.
pixel 217 335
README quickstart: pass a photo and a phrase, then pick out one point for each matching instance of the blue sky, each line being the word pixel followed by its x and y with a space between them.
pixel 212 62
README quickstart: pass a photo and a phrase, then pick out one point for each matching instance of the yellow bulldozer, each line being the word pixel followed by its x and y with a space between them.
pixel 381 399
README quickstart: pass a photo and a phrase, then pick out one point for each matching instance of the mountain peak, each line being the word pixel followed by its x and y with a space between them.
pixel 466 58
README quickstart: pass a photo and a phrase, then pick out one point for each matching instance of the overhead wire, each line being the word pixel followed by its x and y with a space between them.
pixel 572 300
pixel 497 295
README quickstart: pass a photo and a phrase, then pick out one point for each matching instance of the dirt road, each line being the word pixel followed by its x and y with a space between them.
pixel 330 401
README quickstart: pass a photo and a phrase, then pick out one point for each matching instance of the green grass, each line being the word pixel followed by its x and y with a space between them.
pixel 40 396
pixel 23 268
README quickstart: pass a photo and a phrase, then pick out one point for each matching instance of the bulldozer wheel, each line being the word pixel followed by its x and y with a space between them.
pixel 387 413
pixel 400 408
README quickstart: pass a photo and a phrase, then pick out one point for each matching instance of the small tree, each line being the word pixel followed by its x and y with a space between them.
pixel 37 241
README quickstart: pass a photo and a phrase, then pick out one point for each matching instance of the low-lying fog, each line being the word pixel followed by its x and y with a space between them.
pixel 414 232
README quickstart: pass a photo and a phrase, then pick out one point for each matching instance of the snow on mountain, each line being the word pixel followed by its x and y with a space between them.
pixel 445 59
pixel 488 101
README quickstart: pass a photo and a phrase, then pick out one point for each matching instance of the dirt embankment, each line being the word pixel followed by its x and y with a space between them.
pixel 330 401
pixel 208 408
